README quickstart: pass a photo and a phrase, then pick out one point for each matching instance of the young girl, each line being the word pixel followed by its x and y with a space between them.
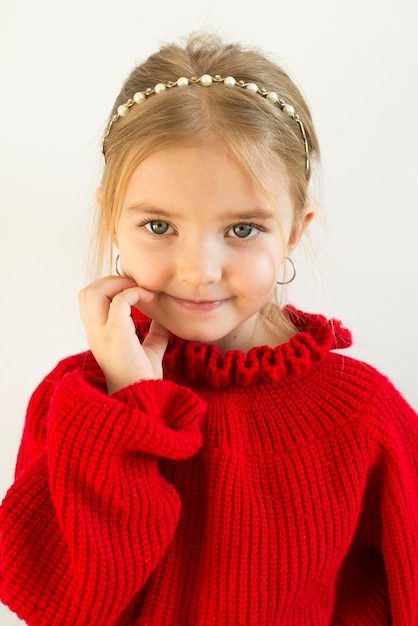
pixel 211 461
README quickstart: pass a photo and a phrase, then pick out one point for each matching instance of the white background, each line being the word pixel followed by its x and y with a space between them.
pixel 61 67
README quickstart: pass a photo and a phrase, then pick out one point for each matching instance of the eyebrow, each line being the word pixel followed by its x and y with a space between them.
pixel 152 210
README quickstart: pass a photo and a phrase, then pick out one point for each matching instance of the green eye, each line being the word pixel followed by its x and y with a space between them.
pixel 242 230
pixel 158 227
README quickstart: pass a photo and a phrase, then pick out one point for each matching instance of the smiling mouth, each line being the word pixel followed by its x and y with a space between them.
pixel 199 305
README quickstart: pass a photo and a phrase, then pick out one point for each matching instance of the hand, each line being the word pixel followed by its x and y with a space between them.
pixel 105 308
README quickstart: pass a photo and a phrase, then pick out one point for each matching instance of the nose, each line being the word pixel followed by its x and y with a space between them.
pixel 199 262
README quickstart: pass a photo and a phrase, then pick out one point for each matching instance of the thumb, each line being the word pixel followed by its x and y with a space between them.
pixel 156 341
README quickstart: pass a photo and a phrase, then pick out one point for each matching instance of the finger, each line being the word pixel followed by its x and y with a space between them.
pixel 122 303
pixel 156 340
pixel 132 296
pixel 95 299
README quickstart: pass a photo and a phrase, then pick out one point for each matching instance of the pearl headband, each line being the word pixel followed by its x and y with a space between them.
pixel 206 81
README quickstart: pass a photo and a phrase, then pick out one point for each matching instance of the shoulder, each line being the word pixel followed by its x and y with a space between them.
pixel 370 395
pixel 353 374
pixel 35 430
pixel 358 375
pixel 83 362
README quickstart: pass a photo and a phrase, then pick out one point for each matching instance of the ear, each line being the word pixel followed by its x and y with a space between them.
pixel 306 217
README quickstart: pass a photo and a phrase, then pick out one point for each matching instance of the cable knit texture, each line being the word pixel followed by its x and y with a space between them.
pixel 278 487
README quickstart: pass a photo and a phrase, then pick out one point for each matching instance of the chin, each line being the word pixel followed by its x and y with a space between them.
pixel 199 335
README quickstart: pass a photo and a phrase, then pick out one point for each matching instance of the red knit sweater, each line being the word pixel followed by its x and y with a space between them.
pixel 274 488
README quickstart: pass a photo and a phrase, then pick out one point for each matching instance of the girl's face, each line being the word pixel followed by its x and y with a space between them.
pixel 197 231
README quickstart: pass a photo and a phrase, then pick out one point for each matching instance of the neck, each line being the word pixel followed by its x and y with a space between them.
pixel 255 332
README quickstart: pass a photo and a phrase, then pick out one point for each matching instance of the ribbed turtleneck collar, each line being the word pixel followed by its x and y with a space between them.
pixel 189 360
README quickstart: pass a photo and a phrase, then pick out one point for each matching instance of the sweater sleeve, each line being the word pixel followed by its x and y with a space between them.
pixel 378 581
pixel 89 516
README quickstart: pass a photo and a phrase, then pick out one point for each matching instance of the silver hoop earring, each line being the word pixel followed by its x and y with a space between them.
pixel 286 282
pixel 116 266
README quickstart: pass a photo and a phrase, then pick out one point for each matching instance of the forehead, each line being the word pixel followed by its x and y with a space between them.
pixel 205 173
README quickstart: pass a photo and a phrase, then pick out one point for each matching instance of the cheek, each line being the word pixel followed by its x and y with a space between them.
pixel 258 272
pixel 147 270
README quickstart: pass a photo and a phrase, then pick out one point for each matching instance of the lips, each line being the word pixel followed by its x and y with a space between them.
pixel 199 305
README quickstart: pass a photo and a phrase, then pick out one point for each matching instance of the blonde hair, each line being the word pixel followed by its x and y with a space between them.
pixel 248 126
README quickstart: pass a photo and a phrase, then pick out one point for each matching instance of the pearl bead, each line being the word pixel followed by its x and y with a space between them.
pixel 230 81
pixel 139 96
pixel 123 110
pixel 206 80
pixel 182 81
pixel 289 110
pixel 272 96
pixel 159 88
pixel 251 87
